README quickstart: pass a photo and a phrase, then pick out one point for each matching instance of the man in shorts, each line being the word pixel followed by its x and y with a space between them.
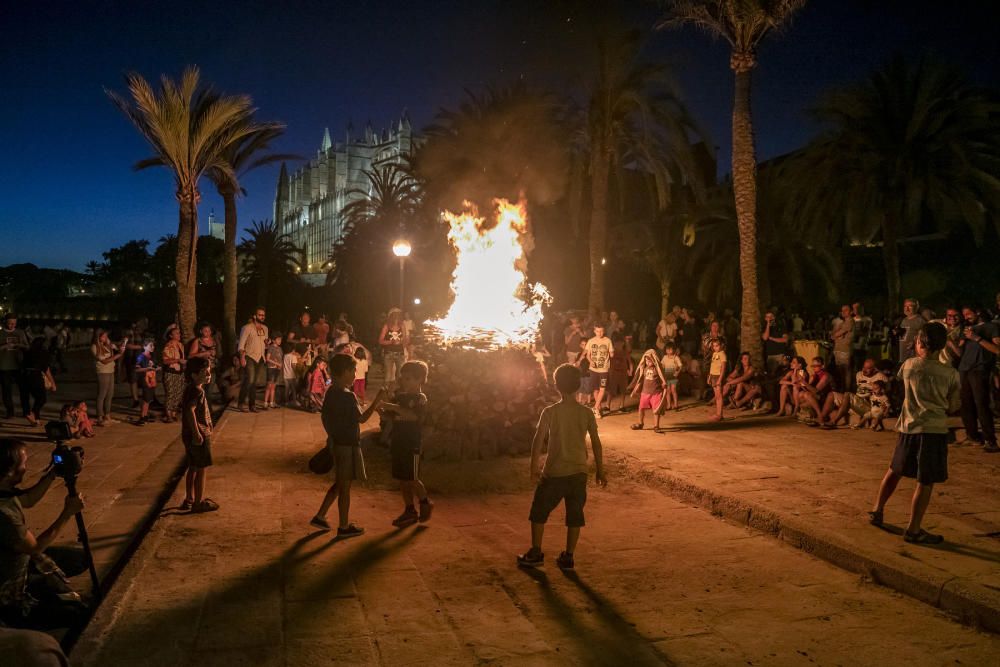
pixel 931 392
pixel 599 353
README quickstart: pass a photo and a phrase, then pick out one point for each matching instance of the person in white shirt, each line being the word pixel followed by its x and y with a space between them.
pixel 253 342
pixel 599 352
pixel 288 365
pixel 931 393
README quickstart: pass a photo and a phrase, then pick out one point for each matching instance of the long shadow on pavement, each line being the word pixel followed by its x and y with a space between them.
pixel 613 641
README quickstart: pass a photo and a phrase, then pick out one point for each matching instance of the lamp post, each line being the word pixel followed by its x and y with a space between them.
pixel 401 249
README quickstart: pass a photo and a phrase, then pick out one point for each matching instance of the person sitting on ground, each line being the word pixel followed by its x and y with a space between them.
pixel 68 416
pixel 839 405
pixel 790 384
pixel 650 379
pixel 740 382
pixel 196 434
pixel 34 591
pixel 342 417
pixel 565 426
pixel 879 402
pixel 931 393
pixel 405 447
pixel 672 365
pixel 813 393
pixel 231 381
pixel 319 381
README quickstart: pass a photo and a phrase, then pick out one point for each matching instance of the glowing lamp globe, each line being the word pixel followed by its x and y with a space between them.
pixel 401 248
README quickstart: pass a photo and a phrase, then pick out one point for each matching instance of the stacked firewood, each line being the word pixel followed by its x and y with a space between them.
pixel 482 403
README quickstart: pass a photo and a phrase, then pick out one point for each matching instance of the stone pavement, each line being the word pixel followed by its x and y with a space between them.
pixel 126 470
pixel 658 582
pixel 812 488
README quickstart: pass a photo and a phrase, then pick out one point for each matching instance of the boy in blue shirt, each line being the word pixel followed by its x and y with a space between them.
pixel 145 379
pixel 405 446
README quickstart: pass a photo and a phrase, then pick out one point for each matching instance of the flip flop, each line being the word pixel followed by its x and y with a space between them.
pixel 636 427
pixel 922 537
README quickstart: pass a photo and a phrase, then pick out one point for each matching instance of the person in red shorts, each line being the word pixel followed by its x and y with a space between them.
pixel 653 384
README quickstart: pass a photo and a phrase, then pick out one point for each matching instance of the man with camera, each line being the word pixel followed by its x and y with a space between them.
pixel 34 592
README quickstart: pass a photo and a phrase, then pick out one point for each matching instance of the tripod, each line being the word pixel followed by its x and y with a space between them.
pixel 84 539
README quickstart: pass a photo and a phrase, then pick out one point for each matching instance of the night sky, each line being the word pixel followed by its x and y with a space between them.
pixel 66 183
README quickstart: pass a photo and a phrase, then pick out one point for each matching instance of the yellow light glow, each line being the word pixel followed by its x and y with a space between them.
pixel 401 248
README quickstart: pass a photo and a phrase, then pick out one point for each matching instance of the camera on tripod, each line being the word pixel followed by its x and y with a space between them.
pixel 67 462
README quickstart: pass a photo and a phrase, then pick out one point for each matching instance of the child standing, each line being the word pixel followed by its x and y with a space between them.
pixel 621 369
pixel 565 425
pixel 672 365
pixel 599 353
pixel 196 433
pixel 649 378
pixel 274 358
pixel 716 371
pixel 360 371
pixel 319 382
pixel 407 410
pixel 145 379
pixel 583 395
pixel 342 417
pixel 288 365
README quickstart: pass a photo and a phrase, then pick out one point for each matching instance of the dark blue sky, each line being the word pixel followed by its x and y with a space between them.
pixel 66 182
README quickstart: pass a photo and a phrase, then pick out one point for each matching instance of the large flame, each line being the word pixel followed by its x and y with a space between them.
pixel 494 305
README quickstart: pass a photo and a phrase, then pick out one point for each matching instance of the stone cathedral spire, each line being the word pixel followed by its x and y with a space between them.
pixel 325 146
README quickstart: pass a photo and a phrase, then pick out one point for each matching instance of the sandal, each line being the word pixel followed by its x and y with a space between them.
pixel 923 537
pixel 875 518
pixel 206 505
pixel 187 505
pixel 636 427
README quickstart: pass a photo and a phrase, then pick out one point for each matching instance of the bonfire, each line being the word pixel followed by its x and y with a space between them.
pixel 486 387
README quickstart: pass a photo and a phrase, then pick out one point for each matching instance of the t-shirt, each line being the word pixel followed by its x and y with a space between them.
pixel 298 333
pixel 773 348
pixel 844 343
pixel 574 338
pixel 651 383
pixel 569 422
pixel 393 341
pixel 931 390
pixel 13 564
pixel 12 345
pixel 274 355
pixel 718 364
pixel 865 382
pixel 880 402
pixel 194 396
pixel 321 333
pixel 975 357
pixel 405 435
pixel 360 367
pixel 143 361
pixel 862 332
pixel 103 367
pixel 671 366
pixel 288 365
pixel 340 418
pixel 910 325
pixel 600 354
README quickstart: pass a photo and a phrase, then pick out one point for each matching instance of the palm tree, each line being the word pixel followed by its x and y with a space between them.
pixel 744 24
pixel 913 148
pixel 242 156
pixel 270 260
pixel 634 116
pixel 188 126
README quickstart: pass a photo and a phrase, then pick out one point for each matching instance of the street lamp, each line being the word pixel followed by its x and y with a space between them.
pixel 401 249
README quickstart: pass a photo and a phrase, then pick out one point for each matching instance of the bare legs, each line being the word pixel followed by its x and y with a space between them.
pixel 340 491
pixel 194 485
pixel 538 530
pixel 918 503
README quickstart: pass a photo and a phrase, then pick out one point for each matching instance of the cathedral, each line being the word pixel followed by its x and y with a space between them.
pixel 308 202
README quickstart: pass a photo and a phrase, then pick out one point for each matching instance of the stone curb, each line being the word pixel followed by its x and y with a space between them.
pixel 968 602
pixel 117 584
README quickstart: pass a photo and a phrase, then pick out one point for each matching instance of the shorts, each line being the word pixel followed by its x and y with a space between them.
pixel 198 456
pixel 405 464
pixel 273 375
pixel 713 380
pixel 617 383
pixel 598 381
pixel 923 456
pixel 147 393
pixel 649 401
pixel 348 462
pixel 857 404
pixel 585 385
pixel 551 490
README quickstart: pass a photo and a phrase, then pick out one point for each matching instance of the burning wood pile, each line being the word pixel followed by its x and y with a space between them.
pixel 482 404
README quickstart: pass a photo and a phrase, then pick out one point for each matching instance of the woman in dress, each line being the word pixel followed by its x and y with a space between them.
pixel 173 373
pixel 105 355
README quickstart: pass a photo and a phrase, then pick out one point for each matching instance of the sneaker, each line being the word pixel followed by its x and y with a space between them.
pixel 407 518
pixel 565 561
pixel 426 508
pixel 922 537
pixel 140 421
pixel 991 448
pixel 320 522
pixel 531 558
pixel 350 531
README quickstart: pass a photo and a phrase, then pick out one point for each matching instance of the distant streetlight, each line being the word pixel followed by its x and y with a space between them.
pixel 114 289
pixel 140 288
pixel 416 301
pixel 401 249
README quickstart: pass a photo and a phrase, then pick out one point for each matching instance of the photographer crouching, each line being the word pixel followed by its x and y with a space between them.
pixel 34 591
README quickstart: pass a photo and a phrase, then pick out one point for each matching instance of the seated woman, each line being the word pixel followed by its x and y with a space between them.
pixel 813 393
pixel 741 383
pixel 231 380
pixel 790 385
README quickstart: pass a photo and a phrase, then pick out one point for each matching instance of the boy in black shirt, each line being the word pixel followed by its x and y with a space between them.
pixel 407 410
pixel 342 418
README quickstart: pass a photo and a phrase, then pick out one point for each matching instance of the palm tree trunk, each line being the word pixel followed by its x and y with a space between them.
pixel 599 170
pixel 664 295
pixel 229 288
pixel 745 191
pixel 186 266
pixel 890 257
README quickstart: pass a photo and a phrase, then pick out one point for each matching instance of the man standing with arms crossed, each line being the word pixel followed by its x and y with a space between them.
pixel 253 342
